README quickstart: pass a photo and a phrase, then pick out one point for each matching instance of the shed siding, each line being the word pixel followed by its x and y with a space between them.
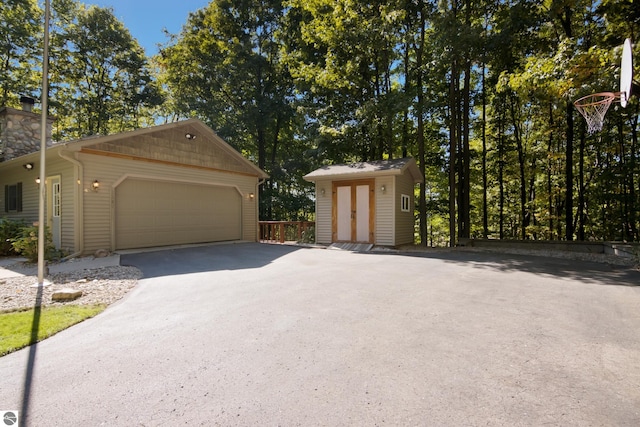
pixel 404 221
pixel 323 212
pixel 384 211
pixel 109 171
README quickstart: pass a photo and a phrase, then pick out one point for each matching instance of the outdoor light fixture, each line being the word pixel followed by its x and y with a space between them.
pixel 251 196
pixel 28 166
pixel 38 180
pixel 383 188
pixel 95 185
pixel 322 191
pixel 189 136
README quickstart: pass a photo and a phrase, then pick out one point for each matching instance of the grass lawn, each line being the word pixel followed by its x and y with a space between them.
pixel 22 328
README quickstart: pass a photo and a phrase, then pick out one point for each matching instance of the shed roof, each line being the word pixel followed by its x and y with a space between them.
pixel 367 169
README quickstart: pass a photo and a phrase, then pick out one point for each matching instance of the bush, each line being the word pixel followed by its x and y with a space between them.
pixel 26 244
pixel 9 230
pixel 309 235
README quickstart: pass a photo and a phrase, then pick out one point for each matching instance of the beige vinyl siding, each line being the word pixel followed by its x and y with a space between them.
pixel 29 193
pixel 110 171
pixel 404 221
pixel 30 196
pixel 57 166
pixel 384 211
pixel 323 212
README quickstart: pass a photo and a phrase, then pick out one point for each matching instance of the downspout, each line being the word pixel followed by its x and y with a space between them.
pixel 78 201
pixel 257 208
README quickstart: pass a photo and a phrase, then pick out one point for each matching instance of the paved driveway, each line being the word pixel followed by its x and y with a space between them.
pixel 251 334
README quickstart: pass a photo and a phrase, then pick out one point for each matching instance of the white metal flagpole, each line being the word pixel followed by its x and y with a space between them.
pixel 43 145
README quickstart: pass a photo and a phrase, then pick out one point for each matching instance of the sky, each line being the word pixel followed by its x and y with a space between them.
pixel 146 19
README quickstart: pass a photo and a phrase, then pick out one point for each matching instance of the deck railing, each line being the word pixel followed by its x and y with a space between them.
pixel 283 231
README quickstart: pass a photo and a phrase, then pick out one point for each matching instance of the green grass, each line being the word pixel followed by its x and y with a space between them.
pixel 18 329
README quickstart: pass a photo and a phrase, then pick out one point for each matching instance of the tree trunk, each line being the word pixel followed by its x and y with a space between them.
pixel 569 174
pixel 581 187
pixel 422 197
pixel 524 215
pixel 485 214
pixel 549 173
pixel 635 204
pixel 453 142
pixel 465 171
pixel 501 177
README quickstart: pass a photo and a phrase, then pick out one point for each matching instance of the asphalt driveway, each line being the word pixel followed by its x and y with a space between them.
pixel 251 334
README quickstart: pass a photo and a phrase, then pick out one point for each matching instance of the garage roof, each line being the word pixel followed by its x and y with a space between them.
pixel 193 143
pixel 367 169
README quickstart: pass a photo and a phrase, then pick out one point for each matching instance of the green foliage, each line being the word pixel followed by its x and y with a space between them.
pixel 482 89
pixel 101 81
pixel 26 244
pixel 16 328
pixel 19 43
pixel 10 229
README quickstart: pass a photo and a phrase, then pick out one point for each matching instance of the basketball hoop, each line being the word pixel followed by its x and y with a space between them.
pixel 594 107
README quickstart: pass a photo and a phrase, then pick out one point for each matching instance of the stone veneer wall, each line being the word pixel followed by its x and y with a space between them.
pixel 20 133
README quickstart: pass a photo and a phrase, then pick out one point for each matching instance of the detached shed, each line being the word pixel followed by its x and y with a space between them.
pixel 368 202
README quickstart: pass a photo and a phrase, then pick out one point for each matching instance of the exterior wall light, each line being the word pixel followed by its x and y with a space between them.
pixel 322 191
pixel 189 136
pixel 383 188
pixel 95 185
pixel 38 180
pixel 251 196
pixel 28 166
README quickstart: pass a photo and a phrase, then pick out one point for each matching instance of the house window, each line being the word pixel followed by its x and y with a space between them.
pixel 56 199
pixel 405 203
pixel 13 198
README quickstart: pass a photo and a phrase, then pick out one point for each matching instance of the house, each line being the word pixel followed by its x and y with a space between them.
pixel 368 202
pixel 171 184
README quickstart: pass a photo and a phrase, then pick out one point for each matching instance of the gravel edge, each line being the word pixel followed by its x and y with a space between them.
pixel 104 285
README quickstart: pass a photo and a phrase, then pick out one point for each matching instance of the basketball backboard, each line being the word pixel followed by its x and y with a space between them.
pixel 626 73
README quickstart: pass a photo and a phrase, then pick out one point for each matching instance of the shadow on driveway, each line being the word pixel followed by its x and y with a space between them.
pixel 586 271
pixel 233 256
pixel 255 255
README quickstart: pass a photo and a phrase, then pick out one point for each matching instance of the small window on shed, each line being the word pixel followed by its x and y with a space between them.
pixel 405 202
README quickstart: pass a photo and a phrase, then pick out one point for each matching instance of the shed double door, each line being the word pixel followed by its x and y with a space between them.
pixel 353 211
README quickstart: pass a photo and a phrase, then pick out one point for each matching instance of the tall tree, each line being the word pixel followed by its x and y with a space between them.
pixel 20 49
pixel 225 68
pixel 345 56
pixel 102 79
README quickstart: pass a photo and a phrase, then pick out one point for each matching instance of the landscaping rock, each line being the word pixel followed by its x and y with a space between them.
pixel 101 253
pixel 66 294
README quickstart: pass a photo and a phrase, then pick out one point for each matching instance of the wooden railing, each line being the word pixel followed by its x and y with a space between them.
pixel 282 231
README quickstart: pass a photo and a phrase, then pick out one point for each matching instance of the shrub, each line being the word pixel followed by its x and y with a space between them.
pixel 9 230
pixel 309 235
pixel 26 244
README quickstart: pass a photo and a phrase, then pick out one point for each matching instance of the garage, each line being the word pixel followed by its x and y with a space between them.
pixel 152 213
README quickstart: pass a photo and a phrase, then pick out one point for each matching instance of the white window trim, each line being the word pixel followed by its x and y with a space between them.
pixel 405 203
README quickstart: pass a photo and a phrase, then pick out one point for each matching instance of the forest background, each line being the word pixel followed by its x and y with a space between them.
pixel 479 92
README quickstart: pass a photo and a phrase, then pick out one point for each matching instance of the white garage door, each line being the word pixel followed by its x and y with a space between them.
pixel 152 213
